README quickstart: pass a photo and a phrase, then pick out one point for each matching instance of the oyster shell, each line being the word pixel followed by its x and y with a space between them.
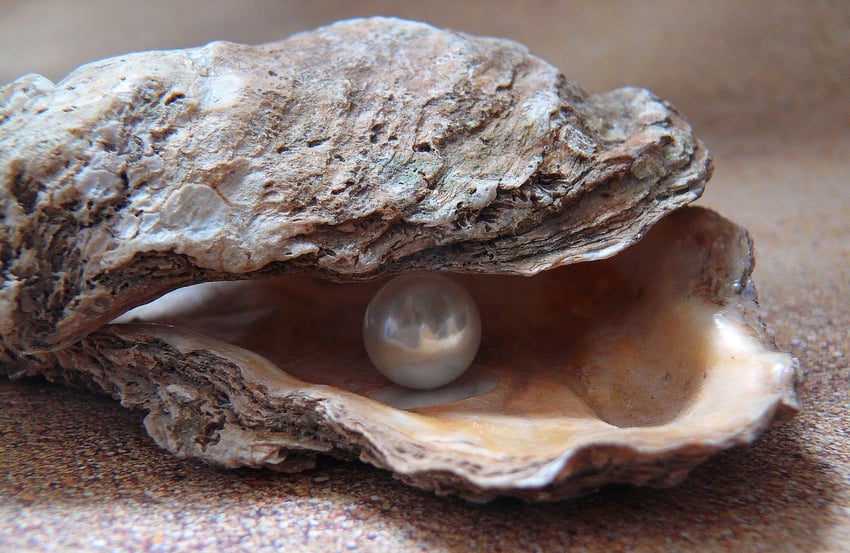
pixel 348 154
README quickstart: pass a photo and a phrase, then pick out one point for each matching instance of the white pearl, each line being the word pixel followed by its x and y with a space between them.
pixel 422 330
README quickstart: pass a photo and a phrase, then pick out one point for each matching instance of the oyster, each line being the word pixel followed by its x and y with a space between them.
pixel 308 170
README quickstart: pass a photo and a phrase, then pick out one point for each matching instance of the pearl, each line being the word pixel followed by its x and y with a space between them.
pixel 422 330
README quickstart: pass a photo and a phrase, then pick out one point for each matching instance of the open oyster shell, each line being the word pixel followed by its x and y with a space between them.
pixel 348 154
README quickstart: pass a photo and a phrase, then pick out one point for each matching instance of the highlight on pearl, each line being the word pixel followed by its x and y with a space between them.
pixel 422 330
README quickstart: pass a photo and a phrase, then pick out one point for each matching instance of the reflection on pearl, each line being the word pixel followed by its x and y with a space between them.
pixel 422 330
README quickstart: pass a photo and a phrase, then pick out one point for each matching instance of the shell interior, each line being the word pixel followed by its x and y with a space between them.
pixel 650 353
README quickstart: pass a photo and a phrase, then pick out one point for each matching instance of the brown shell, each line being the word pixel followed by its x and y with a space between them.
pixel 350 153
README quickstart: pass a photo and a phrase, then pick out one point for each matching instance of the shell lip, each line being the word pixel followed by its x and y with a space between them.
pixel 516 476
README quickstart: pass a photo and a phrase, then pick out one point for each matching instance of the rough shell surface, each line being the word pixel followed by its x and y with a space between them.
pixel 354 152
pixel 359 149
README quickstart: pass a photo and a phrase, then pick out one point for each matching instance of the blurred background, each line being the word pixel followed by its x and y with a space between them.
pixel 730 66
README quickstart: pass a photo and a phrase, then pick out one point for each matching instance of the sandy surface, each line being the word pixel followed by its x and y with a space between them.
pixel 767 86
